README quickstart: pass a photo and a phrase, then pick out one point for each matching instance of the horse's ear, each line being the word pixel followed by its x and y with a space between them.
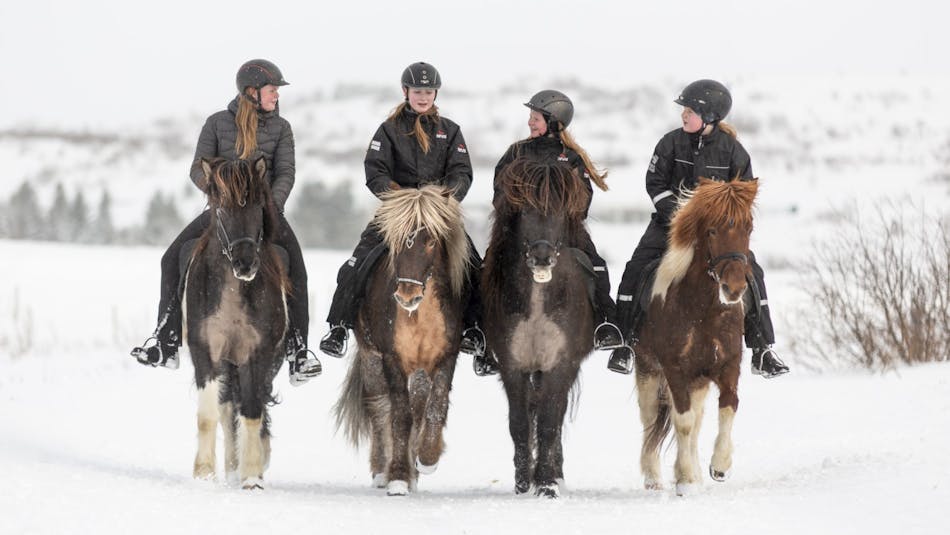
pixel 393 185
pixel 448 192
pixel 260 166
pixel 206 173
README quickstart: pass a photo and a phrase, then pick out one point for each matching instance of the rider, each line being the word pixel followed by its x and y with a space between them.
pixel 415 146
pixel 550 142
pixel 250 127
pixel 704 147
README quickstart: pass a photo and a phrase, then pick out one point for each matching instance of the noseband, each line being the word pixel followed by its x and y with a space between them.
pixel 228 245
pixel 531 245
pixel 723 259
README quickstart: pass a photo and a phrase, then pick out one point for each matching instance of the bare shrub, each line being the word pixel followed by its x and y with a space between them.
pixel 879 290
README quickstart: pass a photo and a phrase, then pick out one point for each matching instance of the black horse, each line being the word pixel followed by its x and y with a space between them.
pixel 539 317
pixel 236 318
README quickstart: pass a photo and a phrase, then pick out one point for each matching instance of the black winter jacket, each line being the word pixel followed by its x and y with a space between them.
pixel 546 149
pixel 679 160
pixel 395 155
pixel 275 142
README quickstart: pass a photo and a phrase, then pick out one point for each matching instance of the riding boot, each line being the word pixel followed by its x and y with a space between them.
pixel 759 332
pixel 303 365
pixel 765 362
pixel 334 342
pixel 161 349
pixel 607 334
pixel 622 358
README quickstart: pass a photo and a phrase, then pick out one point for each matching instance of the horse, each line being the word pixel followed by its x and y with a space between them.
pixel 538 310
pixel 692 330
pixel 408 331
pixel 236 319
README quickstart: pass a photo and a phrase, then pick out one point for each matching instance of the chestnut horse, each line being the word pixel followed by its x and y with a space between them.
pixel 692 330
pixel 408 332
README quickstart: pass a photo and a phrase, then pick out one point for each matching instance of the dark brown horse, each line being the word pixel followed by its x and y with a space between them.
pixel 538 312
pixel 235 318
pixel 692 331
pixel 408 331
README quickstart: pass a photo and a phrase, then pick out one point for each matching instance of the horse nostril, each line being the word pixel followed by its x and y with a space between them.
pixel 725 289
pixel 416 300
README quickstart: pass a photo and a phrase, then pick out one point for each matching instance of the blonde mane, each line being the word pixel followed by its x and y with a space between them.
pixel 405 211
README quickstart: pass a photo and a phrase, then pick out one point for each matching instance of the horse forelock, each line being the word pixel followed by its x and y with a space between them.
pixel 550 189
pixel 712 203
pixel 235 183
pixel 405 211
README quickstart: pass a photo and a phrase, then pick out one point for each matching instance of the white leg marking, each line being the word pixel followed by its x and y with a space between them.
pixel 250 451
pixel 397 488
pixel 647 397
pixel 207 430
pixel 721 463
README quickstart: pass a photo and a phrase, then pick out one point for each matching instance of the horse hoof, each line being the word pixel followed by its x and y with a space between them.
pixel 685 489
pixel 717 475
pixel 204 472
pixel 380 481
pixel 426 469
pixel 253 483
pixel 397 488
pixel 521 487
pixel 652 484
pixel 548 490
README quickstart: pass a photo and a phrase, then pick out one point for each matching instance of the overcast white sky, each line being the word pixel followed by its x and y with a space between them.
pixel 98 62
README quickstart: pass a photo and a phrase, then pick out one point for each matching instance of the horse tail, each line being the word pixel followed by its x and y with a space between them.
pixel 350 410
pixel 660 429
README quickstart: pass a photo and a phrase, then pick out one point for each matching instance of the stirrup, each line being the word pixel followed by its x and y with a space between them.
pixel 621 360
pixel 612 337
pixel 152 355
pixel 304 366
pixel 335 348
pixel 485 365
pixel 775 367
pixel 474 345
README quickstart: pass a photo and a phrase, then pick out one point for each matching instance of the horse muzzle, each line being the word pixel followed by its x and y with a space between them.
pixel 409 294
pixel 245 269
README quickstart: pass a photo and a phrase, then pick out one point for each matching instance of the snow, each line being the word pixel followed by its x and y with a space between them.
pixel 94 442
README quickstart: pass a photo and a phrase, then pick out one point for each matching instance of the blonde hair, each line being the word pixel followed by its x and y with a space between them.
pixel 246 120
pixel 728 129
pixel 599 177
pixel 421 135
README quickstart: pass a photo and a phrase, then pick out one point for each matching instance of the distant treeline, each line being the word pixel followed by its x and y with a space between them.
pixel 322 216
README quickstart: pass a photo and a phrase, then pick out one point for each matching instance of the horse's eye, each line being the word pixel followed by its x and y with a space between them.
pixel 711 232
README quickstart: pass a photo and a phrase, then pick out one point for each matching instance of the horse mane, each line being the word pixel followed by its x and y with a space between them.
pixel 404 211
pixel 712 203
pixel 236 183
pixel 546 187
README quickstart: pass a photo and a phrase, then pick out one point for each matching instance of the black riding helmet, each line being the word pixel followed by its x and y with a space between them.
pixel 709 98
pixel 553 105
pixel 257 73
pixel 421 75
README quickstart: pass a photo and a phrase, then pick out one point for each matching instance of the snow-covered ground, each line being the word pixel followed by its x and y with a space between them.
pixel 94 443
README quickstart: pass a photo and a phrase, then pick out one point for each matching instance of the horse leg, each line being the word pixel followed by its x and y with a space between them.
pixel 420 387
pixel 728 384
pixel 517 385
pixel 686 406
pixel 208 391
pixel 436 414
pixel 549 471
pixel 228 422
pixel 699 409
pixel 251 428
pixel 400 469
pixel 655 428
pixel 376 399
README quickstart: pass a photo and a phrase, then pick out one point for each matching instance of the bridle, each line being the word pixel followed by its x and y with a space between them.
pixel 227 244
pixel 410 241
pixel 723 259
